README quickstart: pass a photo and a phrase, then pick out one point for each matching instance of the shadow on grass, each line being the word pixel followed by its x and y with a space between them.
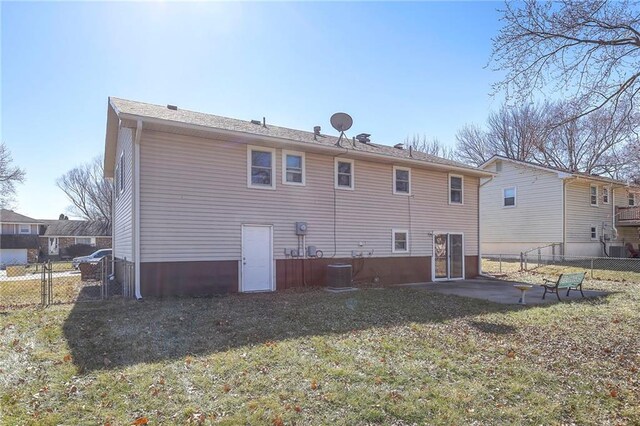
pixel 492 328
pixel 120 333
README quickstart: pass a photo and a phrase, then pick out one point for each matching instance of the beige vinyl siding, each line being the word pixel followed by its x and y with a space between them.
pixel 122 229
pixel 194 199
pixel 536 219
pixel 581 216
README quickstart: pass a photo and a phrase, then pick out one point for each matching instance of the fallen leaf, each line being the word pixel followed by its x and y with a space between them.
pixel 511 353
pixel 613 393
pixel 226 388
pixel 297 408
pixel 277 421
pixel 314 385
pixel 378 380
pixel 140 421
pixel 67 358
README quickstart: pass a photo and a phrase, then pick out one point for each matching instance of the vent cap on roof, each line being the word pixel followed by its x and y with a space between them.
pixel 399 146
pixel 172 107
pixel 363 137
pixel 316 130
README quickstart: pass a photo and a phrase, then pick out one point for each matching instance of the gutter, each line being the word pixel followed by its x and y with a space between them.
pixel 136 209
pixel 299 144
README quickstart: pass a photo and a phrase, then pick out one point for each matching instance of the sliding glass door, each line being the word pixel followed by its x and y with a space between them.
pixel 448 256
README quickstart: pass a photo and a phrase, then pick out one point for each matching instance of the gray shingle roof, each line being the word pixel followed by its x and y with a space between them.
pixel 19 241
pixel 9 216
pixel 77 228
pixel 141 109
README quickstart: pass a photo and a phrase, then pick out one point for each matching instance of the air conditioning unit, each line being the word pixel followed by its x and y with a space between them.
pixel 617 251
pixel 339 276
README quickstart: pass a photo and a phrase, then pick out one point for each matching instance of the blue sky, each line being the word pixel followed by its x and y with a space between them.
pixel 396 68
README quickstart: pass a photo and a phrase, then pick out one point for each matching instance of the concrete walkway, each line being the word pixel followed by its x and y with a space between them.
pixel 499 291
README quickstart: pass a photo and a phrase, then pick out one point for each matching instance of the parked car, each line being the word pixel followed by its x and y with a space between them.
pixel 92 258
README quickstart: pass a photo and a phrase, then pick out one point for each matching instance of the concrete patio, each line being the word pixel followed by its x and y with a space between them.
pixel 500 291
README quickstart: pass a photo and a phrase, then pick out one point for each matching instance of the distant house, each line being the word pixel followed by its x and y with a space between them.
pixel 58 235
pixel 207 204
pixel 18 238
pixel 526 206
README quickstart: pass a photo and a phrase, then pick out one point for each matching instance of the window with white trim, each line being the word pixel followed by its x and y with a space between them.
pixel 456 193
pixel 401 180
pixel 293 168
pixel 400 241
pixel 24 229
pixel 632 199
pixel 90 241
pixel 594 195
pixel 509 197
pixel 121 177
pixel 344 174
pixel 605 195
pixel 594 232
pixel 260 167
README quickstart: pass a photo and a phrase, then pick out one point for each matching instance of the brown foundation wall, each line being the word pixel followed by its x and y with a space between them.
pixel 471 266
pixel 205 278
pixel 366 271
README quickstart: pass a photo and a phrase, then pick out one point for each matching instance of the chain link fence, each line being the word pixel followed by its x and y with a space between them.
pixel 56 283
pixel 598 268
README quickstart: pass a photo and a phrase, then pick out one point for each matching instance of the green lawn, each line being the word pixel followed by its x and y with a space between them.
pixel 393 356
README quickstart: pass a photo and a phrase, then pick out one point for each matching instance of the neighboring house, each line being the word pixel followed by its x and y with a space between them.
pixel 207 204
pixel 18 238
pixel 58 235
pixel 526 206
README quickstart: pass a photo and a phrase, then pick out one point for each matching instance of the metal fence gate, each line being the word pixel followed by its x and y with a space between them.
pixel 50 283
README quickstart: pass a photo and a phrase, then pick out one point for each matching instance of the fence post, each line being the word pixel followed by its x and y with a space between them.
pixel 591 268
pixel 521 262
pixel 500 257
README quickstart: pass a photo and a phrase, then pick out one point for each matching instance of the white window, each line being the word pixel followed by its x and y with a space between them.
pixel 594 232
pixel 400 241
pixel 401 180
pixel 509 197
pixel 25 229
pixel 90 241
pixel 260 167
pixel 594 195
pixel 456 184
pixel 121 177
pixel 605 195
pixel 293 168
pixel 632 199
pixel 344 174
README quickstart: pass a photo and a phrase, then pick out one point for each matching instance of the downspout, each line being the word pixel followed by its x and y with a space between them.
pixel 613 212
pixel 136 209
pixel 480 228
pixel 564 217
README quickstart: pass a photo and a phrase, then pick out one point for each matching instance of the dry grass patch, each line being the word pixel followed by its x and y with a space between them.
pixel 394 356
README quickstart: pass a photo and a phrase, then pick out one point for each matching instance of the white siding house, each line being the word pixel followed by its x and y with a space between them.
pixel 526 206
pixel 211 204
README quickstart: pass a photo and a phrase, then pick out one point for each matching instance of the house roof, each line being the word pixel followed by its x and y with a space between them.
pixel 126 109
pixel 9 216
pixel 77 228
pixel 9 241
pixel 562 173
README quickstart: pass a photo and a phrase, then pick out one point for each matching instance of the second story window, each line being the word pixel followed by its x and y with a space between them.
pixel 605 195
pixel 594 195
pixel 401 180
pixel 260 167
pixel 632 199
pixel 456 195
pixel 344 174
pixel 25 229
pixel 293 168
pixel 509 197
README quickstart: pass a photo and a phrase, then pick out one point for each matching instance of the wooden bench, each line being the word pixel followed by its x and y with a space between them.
pixel 568 281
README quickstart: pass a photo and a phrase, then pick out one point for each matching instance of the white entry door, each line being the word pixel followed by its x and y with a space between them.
pixel 448 256
pixel 257 258
pixel 54 249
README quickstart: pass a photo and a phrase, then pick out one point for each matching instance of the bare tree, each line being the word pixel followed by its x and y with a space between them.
pixel 88 190
pixel 587 51
pixel 511 132
pixel 9 176
pixel 429 146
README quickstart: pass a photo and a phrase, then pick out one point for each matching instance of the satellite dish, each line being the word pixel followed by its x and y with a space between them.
pixel 341 121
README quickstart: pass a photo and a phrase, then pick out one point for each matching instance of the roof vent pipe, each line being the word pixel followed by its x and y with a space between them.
pixel 316 130
pixel 172 107
pixel 264 121
pixel 399 146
